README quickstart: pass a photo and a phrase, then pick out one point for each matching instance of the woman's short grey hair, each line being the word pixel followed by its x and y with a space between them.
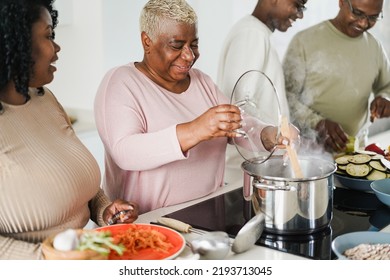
pixel 156 11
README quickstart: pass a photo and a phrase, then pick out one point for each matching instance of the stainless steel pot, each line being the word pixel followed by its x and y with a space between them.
pixel 291 205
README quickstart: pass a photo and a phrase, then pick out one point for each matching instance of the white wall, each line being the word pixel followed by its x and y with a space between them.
pixel 96 35
pixel 80 59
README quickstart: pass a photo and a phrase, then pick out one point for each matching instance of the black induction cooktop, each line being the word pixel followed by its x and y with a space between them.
pixel 352 211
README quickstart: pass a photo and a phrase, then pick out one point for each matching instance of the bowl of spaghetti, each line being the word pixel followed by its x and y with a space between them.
pixel 145 242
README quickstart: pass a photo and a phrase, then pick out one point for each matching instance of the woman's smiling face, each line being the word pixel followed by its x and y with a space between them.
pixel 174 51
pixel 44 51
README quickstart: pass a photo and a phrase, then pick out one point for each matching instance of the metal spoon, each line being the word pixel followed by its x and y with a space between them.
pixel 214 245
pixel 249 234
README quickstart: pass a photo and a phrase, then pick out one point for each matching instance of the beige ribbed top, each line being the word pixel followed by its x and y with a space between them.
pixel 47 177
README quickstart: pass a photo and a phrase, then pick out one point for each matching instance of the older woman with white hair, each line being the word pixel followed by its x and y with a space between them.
pixel 164 124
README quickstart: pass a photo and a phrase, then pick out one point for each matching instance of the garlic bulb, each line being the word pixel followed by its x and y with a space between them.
pixel 66 240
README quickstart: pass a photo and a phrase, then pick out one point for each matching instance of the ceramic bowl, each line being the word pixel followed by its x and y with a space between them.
pixel 381 189
pixel 354 183
pixel 350 240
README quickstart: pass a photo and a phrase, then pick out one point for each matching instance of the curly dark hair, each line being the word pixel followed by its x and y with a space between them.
pixel 16 20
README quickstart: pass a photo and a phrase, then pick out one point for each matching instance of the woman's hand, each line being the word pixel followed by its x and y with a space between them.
pixel 120 212
pixel 218 121
pixel 270 138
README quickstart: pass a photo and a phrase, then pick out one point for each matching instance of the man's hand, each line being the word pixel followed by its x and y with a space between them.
pixel 379 108
pixel 332 135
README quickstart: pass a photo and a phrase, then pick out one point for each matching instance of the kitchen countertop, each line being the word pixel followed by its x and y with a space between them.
pixel 233 179
pixel 255 253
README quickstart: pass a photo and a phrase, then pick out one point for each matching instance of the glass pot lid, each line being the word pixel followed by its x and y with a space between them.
pixel 256 96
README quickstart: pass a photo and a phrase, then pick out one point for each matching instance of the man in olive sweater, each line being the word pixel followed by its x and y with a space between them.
pixel 331 69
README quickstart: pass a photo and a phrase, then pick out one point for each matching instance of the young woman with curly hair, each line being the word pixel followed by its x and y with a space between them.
pixel 49 181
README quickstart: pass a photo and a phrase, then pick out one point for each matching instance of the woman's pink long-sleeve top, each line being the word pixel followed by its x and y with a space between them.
pixel 136 120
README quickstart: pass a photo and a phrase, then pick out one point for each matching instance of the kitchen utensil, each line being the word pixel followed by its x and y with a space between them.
pixel 285 130
pixel 211 244
pixel 179 225
pixel 291 205
pixel 254 93
pixel 248 234
pixel 118 216
pixel 214 245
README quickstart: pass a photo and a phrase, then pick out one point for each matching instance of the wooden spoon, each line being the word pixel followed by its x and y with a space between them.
pixel 285 130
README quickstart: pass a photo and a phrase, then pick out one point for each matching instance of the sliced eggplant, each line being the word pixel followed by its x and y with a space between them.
pixel 376 175
pixel 358 170
pixel 342 167
pixel 359 159
pixel 342 172
pixel 343 160
pixel 377 165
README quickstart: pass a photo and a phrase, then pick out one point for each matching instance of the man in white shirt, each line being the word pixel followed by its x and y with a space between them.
pixel 248 47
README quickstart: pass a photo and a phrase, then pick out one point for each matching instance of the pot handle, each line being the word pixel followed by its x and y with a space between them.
pixel 271 187
pixel 247 189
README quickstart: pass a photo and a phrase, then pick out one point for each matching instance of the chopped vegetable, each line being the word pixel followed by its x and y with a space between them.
pixel 343 160
pixel 358 170
pixel 342 167
pixel 376 175
pixel 363 165
pixel 101 242
pixel 375 148
pixel 359 159
pixel 341 172
pixel 377 165
pixel 351 145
